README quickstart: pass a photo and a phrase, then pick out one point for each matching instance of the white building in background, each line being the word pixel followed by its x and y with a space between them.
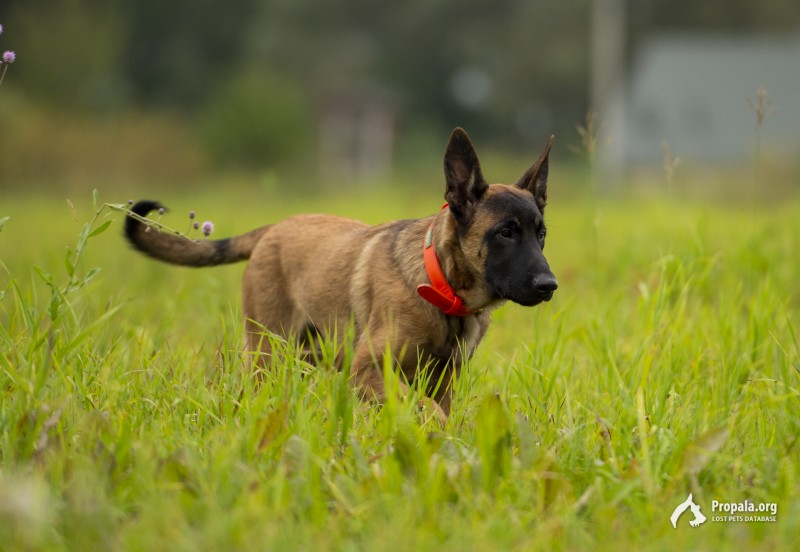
pixel 692 92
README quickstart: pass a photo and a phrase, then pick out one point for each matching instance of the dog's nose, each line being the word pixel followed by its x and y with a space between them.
pixel 545 283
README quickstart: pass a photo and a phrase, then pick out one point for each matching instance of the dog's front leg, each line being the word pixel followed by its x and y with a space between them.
pixel 367 375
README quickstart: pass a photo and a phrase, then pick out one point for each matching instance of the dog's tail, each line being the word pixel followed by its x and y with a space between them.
pixel 176 249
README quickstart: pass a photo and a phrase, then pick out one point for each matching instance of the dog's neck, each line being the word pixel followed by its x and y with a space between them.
pixel 439 292
pixel 460 274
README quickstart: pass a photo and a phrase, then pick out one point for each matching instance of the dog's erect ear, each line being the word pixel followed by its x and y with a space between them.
pixel 535 179
pixel 465 183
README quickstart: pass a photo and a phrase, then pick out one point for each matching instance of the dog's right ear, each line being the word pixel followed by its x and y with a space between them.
pixel 465 183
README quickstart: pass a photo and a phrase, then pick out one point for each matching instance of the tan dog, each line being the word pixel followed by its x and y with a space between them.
pixel 420 289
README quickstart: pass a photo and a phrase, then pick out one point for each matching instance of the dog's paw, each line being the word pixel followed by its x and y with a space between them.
pixel 429 408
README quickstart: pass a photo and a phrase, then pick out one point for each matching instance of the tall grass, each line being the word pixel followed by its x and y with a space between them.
pixel 667 363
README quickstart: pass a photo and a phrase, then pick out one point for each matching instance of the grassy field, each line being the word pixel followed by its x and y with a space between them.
pixel 667 363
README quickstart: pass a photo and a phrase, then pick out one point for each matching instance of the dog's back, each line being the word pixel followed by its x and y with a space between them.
pixel 300 271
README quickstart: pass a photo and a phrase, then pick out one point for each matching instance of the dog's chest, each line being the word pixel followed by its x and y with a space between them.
pixel 460 339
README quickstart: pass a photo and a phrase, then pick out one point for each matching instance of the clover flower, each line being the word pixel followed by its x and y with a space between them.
pixel 6 59
pixel 208 227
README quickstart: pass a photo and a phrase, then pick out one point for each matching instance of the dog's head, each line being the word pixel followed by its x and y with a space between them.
pixel 501 227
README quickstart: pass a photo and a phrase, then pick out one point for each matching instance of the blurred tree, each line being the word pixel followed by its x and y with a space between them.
pixel 70 51
pixel 256 120
pixel 178 52
pixel 486 66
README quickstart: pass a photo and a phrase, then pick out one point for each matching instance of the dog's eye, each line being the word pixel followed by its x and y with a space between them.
pixel 542 234
pixel 507 232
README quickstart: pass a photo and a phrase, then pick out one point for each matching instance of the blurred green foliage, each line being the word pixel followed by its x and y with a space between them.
pixel 255 120
pixel 68 53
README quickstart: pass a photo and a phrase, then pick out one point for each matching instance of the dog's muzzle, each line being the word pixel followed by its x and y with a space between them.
pixel 545 285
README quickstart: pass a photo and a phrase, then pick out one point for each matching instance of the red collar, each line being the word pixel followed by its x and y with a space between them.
pixel 439 293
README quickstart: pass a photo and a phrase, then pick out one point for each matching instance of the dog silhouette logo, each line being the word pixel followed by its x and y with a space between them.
pixel 687 504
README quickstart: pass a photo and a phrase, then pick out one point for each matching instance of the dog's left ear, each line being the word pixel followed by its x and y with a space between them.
pixel 465 183
pixel 535 179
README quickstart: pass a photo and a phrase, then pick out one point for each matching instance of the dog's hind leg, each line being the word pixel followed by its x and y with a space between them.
pixel 257 347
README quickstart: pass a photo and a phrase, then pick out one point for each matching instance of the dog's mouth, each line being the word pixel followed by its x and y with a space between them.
pixel 530 301
pixel 540 297
pixel 546 296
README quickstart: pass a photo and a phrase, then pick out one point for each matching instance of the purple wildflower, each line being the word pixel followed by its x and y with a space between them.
pixel 196 225
pixel 161 210
pixel 208 227
pixel 192 214
pixel 1 29
pixel 9 57
pixel 130 202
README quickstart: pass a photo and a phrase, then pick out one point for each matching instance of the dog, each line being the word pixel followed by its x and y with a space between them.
pixel 421 290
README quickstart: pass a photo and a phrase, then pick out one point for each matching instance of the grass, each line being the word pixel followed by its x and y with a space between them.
pixel 667 363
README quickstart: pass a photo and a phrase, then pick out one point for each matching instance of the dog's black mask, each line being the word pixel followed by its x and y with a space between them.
pixel 515 265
